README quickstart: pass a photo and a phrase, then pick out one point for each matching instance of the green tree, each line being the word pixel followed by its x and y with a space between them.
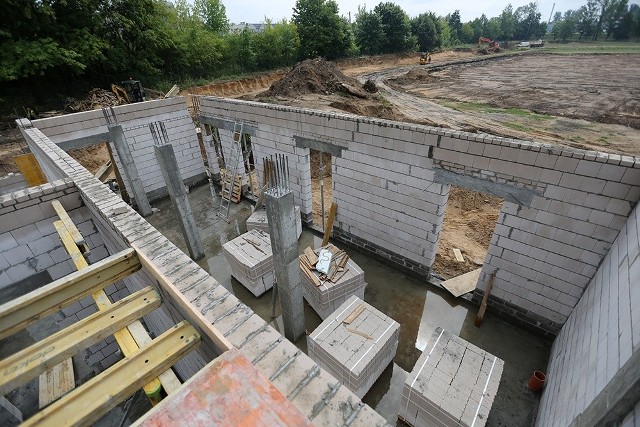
pixel 368 32
pixel 508 23
pixel 424 27
pixel 586 19
pixel 455 25
pixel 444 32
pixel 213 14
pixel 276 46
pixel 528 23
pixel 396 28
pixel 322 31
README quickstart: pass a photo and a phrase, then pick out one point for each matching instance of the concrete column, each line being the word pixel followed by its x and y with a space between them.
pixel 212 156
pixel 130 170
pixel 284 244
pixel 171 173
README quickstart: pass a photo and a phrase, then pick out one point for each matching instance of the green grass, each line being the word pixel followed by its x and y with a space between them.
pixel 628 47
pixel 484 108
pixel 518 126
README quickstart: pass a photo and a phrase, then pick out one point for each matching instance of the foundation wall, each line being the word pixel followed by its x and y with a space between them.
pixel 12 182
pixel 312 390
pixel 562 209
pixel 90 127
pixel 600 336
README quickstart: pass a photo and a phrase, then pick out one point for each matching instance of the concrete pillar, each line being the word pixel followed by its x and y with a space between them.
pixel 171 173
pixel 210 149
pixel 284 244
pixel 130 170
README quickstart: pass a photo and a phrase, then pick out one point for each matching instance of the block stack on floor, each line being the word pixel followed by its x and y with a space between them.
pixel 258 220
pixel 251 260
pixel 326 292
pixel 453 383
pixel 355 344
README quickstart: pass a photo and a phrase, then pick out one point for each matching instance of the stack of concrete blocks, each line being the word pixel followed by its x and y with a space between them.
pixel 326 298
pixel 358 352
pixel 258 220
pixel 12 182
pixel 453 383
pixel 251 265
pixel 90 127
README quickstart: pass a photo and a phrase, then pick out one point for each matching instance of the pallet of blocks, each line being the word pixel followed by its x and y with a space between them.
pixel 326 292
pixel 251 260
pixel 355 344
pixel 258 219
pixel 453 383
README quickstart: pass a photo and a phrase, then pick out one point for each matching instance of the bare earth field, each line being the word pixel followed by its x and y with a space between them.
pixel 589 101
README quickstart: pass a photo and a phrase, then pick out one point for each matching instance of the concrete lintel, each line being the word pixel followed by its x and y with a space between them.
pixel 227 124
pixel 616 399
pixel 520 196
pixel 323 146
pixel 85 141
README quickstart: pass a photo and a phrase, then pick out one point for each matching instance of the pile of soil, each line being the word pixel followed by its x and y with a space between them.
pixel 415 75
pixel 372 109
pixel 315 76
pixel 96 98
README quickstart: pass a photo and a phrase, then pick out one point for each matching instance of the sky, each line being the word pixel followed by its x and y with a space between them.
pixel 254 11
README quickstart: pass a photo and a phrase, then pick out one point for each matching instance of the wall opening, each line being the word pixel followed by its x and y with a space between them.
pixel 321 186
pixel 469 223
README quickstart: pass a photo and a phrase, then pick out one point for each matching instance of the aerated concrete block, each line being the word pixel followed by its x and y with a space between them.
pixel 258 220
pixel 251 260
pixel 453 383
pixel 355 353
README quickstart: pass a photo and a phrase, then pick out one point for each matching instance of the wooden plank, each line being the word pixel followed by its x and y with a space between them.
pixel 104 171
pixel 20 312
pixel 327 230
pixel 354 314
pixel 311 255
pixel 71 227
pixel 55 383
pixel 462 284
pixel 88 403
pixel 362 334
pixel 119 180
pixel 182 302
pixel 30 169
pixel 229 391
pixel 43 355
pixel 458 255
pixel 123 336
pixel 485 298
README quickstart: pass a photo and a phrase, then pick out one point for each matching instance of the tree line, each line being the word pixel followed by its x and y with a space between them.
pixel 160 40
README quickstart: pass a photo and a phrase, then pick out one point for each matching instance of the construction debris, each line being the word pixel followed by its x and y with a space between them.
pixel 453 383
pixel 462 284
pixel 358 353
pixel 325 292
pixel 95 99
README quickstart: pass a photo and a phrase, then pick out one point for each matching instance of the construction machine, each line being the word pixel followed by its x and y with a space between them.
pixel 425 58
pixel 491 43
pixel 131 91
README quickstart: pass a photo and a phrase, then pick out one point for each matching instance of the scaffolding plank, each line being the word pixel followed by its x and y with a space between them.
pixel 71 227
pixel 181 301
pixel 86 404
pixel 37 358
pixel 20 312
pixel 30 169
pixel 55 383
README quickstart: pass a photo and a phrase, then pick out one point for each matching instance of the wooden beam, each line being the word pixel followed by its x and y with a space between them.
pixel 20 312
pixel 119 180
pixel 71 227
pixel 88 403
pixel 485 299
pixel 45 354
pixel 181 301
pixel 55 383
pixel 332 216
pixel 30 169
pixel 104 171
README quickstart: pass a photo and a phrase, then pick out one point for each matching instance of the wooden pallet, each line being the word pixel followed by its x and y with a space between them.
pixel 236 191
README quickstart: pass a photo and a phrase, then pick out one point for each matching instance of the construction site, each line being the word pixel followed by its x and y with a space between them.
pixel 364 242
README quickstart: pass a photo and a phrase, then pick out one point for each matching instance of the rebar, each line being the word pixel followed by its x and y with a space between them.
pixel 276 174
pixel 159 133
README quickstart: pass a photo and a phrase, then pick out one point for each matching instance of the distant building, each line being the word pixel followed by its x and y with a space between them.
pixel 256 28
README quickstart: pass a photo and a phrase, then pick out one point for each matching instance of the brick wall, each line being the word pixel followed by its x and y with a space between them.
pixel 90 127
pixel 562 207
pixel 601 334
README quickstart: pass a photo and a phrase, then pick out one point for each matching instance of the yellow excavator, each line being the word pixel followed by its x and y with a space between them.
pixel 425 58
pixel 131 91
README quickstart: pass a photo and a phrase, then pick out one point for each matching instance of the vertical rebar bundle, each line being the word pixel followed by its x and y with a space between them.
pixel 159 133
pixel 110 116
pixel 276 174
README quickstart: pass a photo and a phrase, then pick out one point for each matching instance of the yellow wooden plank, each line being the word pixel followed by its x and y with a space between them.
pixel 55 383
pixel 22 311
pixel 458 254
pixel 71 227
pixel 181 301
pixel 327 230
pixel 28 363
pixel 88 403
pixel 354 314
pixel 30 169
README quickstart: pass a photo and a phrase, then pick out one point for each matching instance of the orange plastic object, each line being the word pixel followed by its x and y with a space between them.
pixel 229 391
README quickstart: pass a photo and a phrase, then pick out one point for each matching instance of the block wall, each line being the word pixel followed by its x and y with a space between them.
pixel 601 334
pixel 563 207
pixel 12 182
pixel 91 126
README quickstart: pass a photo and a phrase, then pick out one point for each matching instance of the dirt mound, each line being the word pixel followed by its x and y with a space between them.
pixel 96 98
pixel 315 76
pixel 415 75
pixel 372 110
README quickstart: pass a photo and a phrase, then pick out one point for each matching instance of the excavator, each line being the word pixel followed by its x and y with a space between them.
pixel 491 43
pixel 131 91
pixel 425 58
